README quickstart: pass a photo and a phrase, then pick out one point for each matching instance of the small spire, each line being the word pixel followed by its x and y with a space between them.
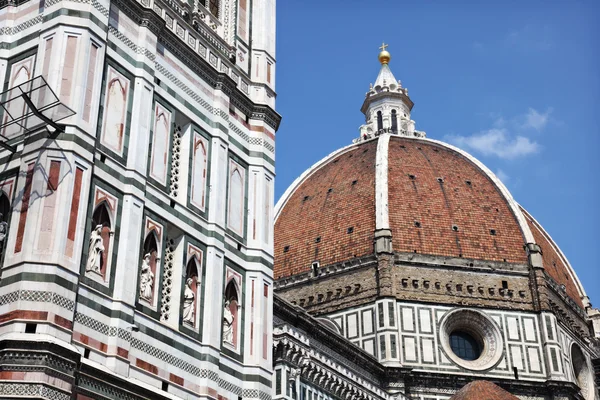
pixel 384 55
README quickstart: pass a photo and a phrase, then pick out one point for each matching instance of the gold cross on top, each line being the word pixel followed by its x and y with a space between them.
pixel 383 46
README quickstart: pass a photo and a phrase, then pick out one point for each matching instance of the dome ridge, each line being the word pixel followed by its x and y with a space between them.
pixel 572 275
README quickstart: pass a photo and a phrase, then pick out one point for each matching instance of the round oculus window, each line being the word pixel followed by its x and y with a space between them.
pixel 471 339
pixel 464 345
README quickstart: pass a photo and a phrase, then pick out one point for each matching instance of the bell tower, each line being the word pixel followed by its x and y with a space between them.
pixel 387 106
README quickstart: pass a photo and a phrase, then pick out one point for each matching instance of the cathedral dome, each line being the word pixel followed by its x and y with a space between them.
pixel 437 203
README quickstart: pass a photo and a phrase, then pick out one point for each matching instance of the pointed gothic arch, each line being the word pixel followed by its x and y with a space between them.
pixel 149 267
pixel 4 207
pixel 231 325
pixel 4 218
pixel 191 298
pixel 116 105
pixel 160 143
pixel 100 248
pixel 199 172
pixel 235 211
pixel 21 73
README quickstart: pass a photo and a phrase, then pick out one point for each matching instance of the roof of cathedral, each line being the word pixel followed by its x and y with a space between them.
pixel 385 77
pixel 433 198
pixel 479 390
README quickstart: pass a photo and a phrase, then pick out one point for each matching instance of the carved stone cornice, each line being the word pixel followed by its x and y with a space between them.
pixel 218 80
pixel 267 114
pixel 141 15
pixel 372 98
pixel 306 278
pixel 98 384
pixel 566 299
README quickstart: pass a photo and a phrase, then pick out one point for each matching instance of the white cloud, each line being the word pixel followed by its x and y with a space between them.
pixel 502 176
pixel 536 120
pixel 530 38
pixel 497 142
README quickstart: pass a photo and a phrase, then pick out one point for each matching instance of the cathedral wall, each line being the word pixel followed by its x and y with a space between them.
pixel 530 347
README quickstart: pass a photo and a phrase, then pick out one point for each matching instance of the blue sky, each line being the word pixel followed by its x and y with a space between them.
pixel 517 85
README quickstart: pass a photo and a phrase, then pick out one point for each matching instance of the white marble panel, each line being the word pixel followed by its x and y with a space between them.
pixel 369 347
pixel 410 349
pixel 352 320
pixel 425 321
pixel 428 350
pixel 517 357
pixel 534 359
pixel 513 328
pixel 367 317
pixel 408 323
pixel 529 329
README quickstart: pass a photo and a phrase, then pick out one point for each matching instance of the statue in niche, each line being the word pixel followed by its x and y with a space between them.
pixel 189 295
pixel 3 228
pixel 227 324
pixel 147 279
pixel 96 251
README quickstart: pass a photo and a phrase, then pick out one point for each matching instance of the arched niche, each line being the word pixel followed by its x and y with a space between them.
pixel 4 207
pixel 191 292
pixel 99 250
pixel 232 306
pixel 4 217
pixel 582 372
pixel 149 268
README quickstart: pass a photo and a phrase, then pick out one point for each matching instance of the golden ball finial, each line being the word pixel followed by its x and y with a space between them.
pixel 384 56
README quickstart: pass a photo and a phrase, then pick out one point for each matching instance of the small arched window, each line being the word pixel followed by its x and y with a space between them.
pixel 379 121
pixel 394 122
pixel 213 7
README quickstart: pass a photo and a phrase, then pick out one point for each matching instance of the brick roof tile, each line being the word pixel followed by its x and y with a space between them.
pixel 482 390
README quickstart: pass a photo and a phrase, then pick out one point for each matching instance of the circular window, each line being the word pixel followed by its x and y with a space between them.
pixel 464 345
pixel 471 339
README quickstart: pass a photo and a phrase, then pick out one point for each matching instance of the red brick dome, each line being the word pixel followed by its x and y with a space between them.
pixel 434 199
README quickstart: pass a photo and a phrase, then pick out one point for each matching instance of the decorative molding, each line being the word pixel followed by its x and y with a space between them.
pixel 478 325
pixel 32 390
pixel 37 296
